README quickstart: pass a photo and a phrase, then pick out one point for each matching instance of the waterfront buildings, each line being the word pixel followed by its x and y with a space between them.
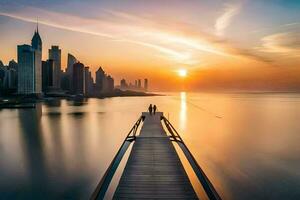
pixel 104 82
pixel 48 71
pixel 32 76
pixel 88 82
pixel 137 86
pixel 29 66
pixel 100 78
pixel 69 71
pixel 26 71
pixel 146 84
pixel 78 79
pixel 55 55
pixel 123 84
pixel 8 77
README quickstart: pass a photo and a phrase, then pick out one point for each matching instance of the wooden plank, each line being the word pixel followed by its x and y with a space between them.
pixel 153 169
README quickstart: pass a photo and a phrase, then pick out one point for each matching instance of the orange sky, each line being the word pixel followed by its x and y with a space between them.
pixel 228 45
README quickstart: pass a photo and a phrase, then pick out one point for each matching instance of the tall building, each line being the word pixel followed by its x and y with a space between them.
pixel 13 65
pixel 29 66
pixel 88 82
pixel 123 84
pixel 2 76
pixel 36 43
pixel 135 83
pixel 78 79
pixel 48 69
pixel 146 84
pixel 71 61
pixel 55 55
pixel 65 82
pixel 26 70
pixel 139 84
pixel 110 84
pixel 100 79
pixel 10 80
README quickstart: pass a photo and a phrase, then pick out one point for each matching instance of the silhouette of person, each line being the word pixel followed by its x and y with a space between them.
pixel 150 109
pixel 154 109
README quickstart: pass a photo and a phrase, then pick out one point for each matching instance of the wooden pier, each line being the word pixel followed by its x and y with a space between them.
pixel 154 170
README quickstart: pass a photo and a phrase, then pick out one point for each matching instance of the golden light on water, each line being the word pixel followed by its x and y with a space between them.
pixel 182 72
pixel 183 108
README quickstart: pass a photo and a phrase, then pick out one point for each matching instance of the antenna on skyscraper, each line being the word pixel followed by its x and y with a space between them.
pixel 37 24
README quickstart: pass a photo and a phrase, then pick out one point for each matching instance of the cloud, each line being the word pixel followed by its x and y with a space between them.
pixel 179 42
pixel 286 26
pixel 53 24
pixel 122 27
pixel 287 43
pixel 226 18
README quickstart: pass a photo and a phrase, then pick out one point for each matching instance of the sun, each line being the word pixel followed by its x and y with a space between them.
pixel 182 72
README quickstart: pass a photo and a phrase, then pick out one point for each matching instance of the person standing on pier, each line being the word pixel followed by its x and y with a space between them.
pixel 150 109
pixel 154 109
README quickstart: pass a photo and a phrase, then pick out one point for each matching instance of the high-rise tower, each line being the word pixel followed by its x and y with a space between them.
pixel 30 66
pixel 55 55
pixel 36 41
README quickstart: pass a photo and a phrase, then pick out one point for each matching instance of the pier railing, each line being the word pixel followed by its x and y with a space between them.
pixel 103 185
pixel 205 182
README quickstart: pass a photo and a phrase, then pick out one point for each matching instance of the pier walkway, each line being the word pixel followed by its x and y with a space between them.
pixel 154 170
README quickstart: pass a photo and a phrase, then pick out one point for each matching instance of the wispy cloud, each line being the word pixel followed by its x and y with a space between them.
pixel 175 41
pixel 226 18
pixel 55 25
pixel 287 43
pixel 281 27
pixel 125 28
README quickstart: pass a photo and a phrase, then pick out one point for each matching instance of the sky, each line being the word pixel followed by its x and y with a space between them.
pixel 222 44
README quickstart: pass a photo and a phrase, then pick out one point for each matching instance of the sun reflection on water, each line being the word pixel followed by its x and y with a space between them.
pixel 182 111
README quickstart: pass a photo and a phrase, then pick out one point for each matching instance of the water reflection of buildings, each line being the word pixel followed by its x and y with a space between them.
pixel 52 153
pixel 33 145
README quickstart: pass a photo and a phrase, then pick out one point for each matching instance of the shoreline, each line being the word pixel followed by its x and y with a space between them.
pixel 17 101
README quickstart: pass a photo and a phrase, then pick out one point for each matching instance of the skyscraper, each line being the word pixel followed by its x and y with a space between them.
pixel 100 78
pixel 88 82
pixel 136 84
pixel 55 55
pixel 13 65
pixel 29 66
pixel 123 84
pixel 10 80
pixel 146 84
pixel 78 78
pixel 71 61
pixel 48 68
pixel 26 70
pixel 139 83
pixel 110 84
pixel 36 43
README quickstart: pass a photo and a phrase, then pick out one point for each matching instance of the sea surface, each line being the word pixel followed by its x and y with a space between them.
pixel 247 144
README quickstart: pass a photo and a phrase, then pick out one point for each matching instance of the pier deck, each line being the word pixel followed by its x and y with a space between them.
pixel 153 169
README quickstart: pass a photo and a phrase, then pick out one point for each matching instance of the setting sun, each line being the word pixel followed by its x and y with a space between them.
pixel 182 72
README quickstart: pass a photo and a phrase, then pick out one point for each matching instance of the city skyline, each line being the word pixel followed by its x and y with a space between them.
pixel 32 76
pixel 235 46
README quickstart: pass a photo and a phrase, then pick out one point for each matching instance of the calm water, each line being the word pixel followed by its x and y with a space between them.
pixel 248 144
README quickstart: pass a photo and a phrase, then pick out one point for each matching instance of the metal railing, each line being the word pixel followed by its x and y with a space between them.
pixel 103 185
pixel 205 182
